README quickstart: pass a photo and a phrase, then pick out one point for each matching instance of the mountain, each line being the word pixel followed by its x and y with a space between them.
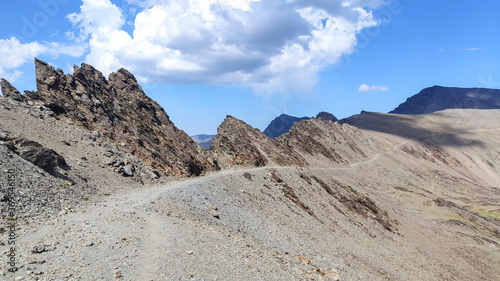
pixel 327 116
pixel 203 140
pixel 376 197
pixel 322 141
pixel 281 125
pixel 439 98
pixel 122 113
pixel 239 144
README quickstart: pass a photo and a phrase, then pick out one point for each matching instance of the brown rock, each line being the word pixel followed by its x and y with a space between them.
pixel 318 139
pixel 122 113
pixel 240 144
pixel 305 260
pixel 9 91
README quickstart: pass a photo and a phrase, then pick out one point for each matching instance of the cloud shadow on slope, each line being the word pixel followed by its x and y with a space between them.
pixel 436 130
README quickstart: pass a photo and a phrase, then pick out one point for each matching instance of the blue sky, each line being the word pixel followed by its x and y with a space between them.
pixel 256 59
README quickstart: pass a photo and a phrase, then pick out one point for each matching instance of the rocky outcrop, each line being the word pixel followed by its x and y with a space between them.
pixel 322 141
pixel 438 98
pixel 237 143
pixel 309 142
pixel 122 113
pixel 327 116
pixel 281 125
pixel 8 91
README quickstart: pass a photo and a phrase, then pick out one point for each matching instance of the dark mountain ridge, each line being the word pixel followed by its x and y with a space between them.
pixel 284 122
pixel 438 98
pixel 203 140
pixel 281 125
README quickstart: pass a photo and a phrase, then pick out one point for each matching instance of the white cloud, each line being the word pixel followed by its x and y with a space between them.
pixel 272 46
pixel 96 16
pixel 472 49
pixel 14 54
pixel 366 88
pixel 269 45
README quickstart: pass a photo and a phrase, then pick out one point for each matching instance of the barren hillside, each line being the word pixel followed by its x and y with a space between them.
pixel 383 197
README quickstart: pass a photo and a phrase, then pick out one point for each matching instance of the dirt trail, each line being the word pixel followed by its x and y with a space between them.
pixel 129 235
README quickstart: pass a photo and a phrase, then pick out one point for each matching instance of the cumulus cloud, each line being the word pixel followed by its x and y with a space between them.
pixel 366 88
pixel 14 54
pixel 269 45
pixel 272 46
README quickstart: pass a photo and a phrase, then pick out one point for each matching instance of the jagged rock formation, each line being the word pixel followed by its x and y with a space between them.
pixel 8 91
pixel 437 98
pixel 239 144
pixel 327 116
pixel 321 141
pixel 308 142
pixel 122 113
pixel 281 125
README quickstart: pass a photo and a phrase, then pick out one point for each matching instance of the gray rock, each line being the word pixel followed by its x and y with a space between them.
pixel 32 151
pixel 38 249
pixel 95 134
pixel 4 136
pixel 128 171
pixel 108 153
pixel 118 163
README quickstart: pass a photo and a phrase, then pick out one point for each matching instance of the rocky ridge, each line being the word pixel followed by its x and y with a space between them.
pixel 321 141
pixel 437 98
pixel 309 142
pixel 237 143
pixel 122 113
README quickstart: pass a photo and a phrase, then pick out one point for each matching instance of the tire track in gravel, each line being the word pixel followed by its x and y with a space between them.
pixel 157 235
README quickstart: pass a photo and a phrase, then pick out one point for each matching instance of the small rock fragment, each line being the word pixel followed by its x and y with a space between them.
pixel 305 260
pixel 127 171
pixel 118 274
pixel 214 214
pixel 3 136
pixel 38 249
pixel 331 274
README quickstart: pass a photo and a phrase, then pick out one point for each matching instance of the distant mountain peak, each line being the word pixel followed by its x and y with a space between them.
pixel 327 116
pixel 438 98
pixel 281 125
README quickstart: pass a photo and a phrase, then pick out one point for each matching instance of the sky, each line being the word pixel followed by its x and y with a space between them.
pixel 256 59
